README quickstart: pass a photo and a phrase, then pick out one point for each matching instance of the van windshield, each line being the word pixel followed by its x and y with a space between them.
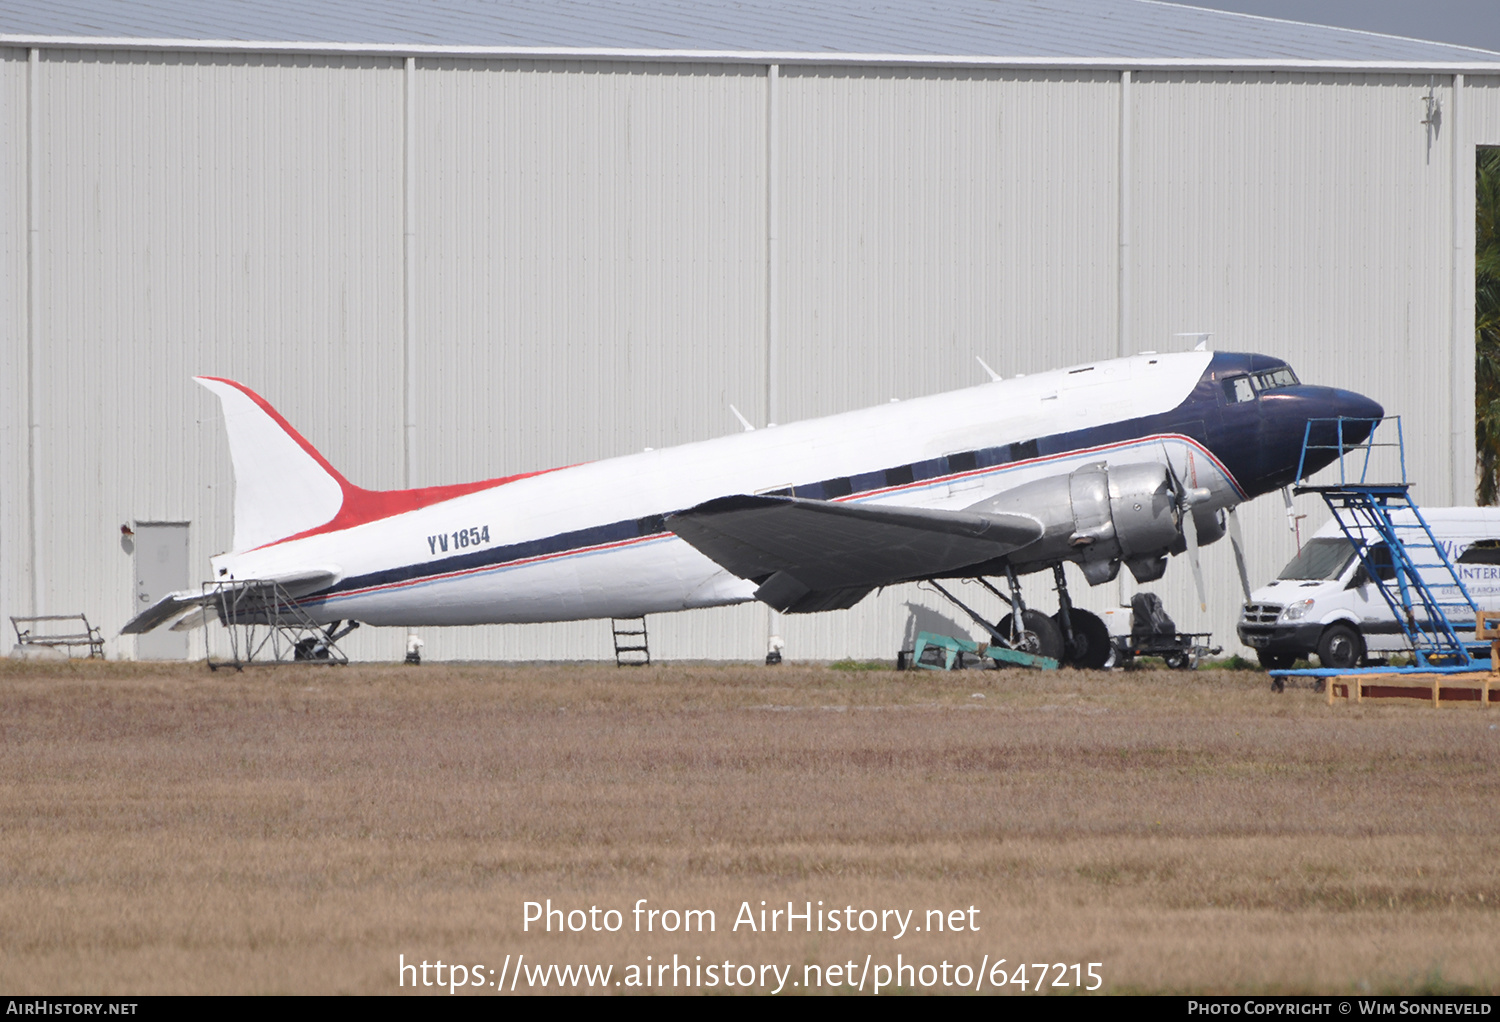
pixel 1322 558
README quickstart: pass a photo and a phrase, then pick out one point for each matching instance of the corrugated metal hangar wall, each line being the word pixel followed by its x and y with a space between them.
pixel 500 265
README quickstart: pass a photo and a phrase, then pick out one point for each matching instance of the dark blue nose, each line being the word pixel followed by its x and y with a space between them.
pixel 1349 405
pixel 1337 417
pixel 1292 414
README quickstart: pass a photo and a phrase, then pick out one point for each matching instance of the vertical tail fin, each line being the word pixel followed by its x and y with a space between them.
pixel 282 485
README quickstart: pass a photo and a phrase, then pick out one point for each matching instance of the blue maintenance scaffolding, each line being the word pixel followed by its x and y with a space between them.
pixel 1396 548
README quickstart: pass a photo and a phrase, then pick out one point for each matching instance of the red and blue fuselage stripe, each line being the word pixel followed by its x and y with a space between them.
pixel 908 478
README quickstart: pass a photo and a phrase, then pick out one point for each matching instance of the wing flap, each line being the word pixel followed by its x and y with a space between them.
pixel 800 548
pixel 789 596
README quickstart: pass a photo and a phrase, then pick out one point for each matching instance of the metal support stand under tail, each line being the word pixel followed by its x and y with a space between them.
pixel 267 626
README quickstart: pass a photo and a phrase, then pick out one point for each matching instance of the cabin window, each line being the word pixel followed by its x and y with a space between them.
pixel 1024 451
pixel 1486 551
pixel 840 487
pixel 1379 558
pixel 963 461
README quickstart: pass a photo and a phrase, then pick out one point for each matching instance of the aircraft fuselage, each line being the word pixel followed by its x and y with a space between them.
pixel 590 540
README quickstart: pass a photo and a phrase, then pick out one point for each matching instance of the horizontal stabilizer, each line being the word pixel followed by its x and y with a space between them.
pixel 308 580
pixel 164 610
pixel 817 554
pixel 192 620
pixel 177 607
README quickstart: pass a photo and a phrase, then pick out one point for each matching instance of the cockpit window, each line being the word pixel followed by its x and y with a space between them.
pixel 1274 378
pixel 1238 389
pixel 1322 558
pixel 1248 388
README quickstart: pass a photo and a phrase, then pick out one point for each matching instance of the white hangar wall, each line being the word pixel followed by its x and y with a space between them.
pixel 15 547
pixel 589 281
pixel 506 265
pixel 193 214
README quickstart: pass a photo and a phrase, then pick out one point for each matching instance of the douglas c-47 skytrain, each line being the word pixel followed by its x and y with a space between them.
pixel 1116 462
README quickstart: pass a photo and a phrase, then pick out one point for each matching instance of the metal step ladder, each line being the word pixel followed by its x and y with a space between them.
pixel 1419 581
pixel 630 642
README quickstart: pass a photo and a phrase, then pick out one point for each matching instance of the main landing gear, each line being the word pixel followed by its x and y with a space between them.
pixel 1072 637
pixel 1085 635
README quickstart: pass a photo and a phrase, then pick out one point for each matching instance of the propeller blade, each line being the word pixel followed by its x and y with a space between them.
pixel 1189 526
pixel 1237 541
pixel 1179 490
pixel 1190 535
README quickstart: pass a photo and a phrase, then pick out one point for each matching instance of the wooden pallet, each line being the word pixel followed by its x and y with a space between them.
pixel 1460 687
pixel 1468 687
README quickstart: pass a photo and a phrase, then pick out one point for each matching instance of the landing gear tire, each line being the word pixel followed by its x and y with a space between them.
pixel 1090 649
pixel 1340 648
pixel 1275 661
pixel 1040 635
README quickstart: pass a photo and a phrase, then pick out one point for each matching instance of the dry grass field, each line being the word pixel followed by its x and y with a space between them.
pixel 296 830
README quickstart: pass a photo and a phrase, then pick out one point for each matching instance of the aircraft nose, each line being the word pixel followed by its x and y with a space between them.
pixel 1346 404
pixel 1290 416
pixel 1316 410
pixel 1349 405
pixel 1301 404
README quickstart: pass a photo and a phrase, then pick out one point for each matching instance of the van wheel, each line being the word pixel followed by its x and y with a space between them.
pixel 1275 661
pixel 1341 647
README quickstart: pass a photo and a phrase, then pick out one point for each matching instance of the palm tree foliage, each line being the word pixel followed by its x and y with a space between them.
pixel 1487 324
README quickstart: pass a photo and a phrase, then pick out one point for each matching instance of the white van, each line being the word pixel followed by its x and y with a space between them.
pixel 1324 602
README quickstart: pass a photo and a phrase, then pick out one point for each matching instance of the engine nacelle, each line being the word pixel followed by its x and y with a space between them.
pixel 1099 517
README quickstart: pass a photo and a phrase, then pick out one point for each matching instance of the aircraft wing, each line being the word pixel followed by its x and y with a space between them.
pixel 177 607
pixel 812 555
